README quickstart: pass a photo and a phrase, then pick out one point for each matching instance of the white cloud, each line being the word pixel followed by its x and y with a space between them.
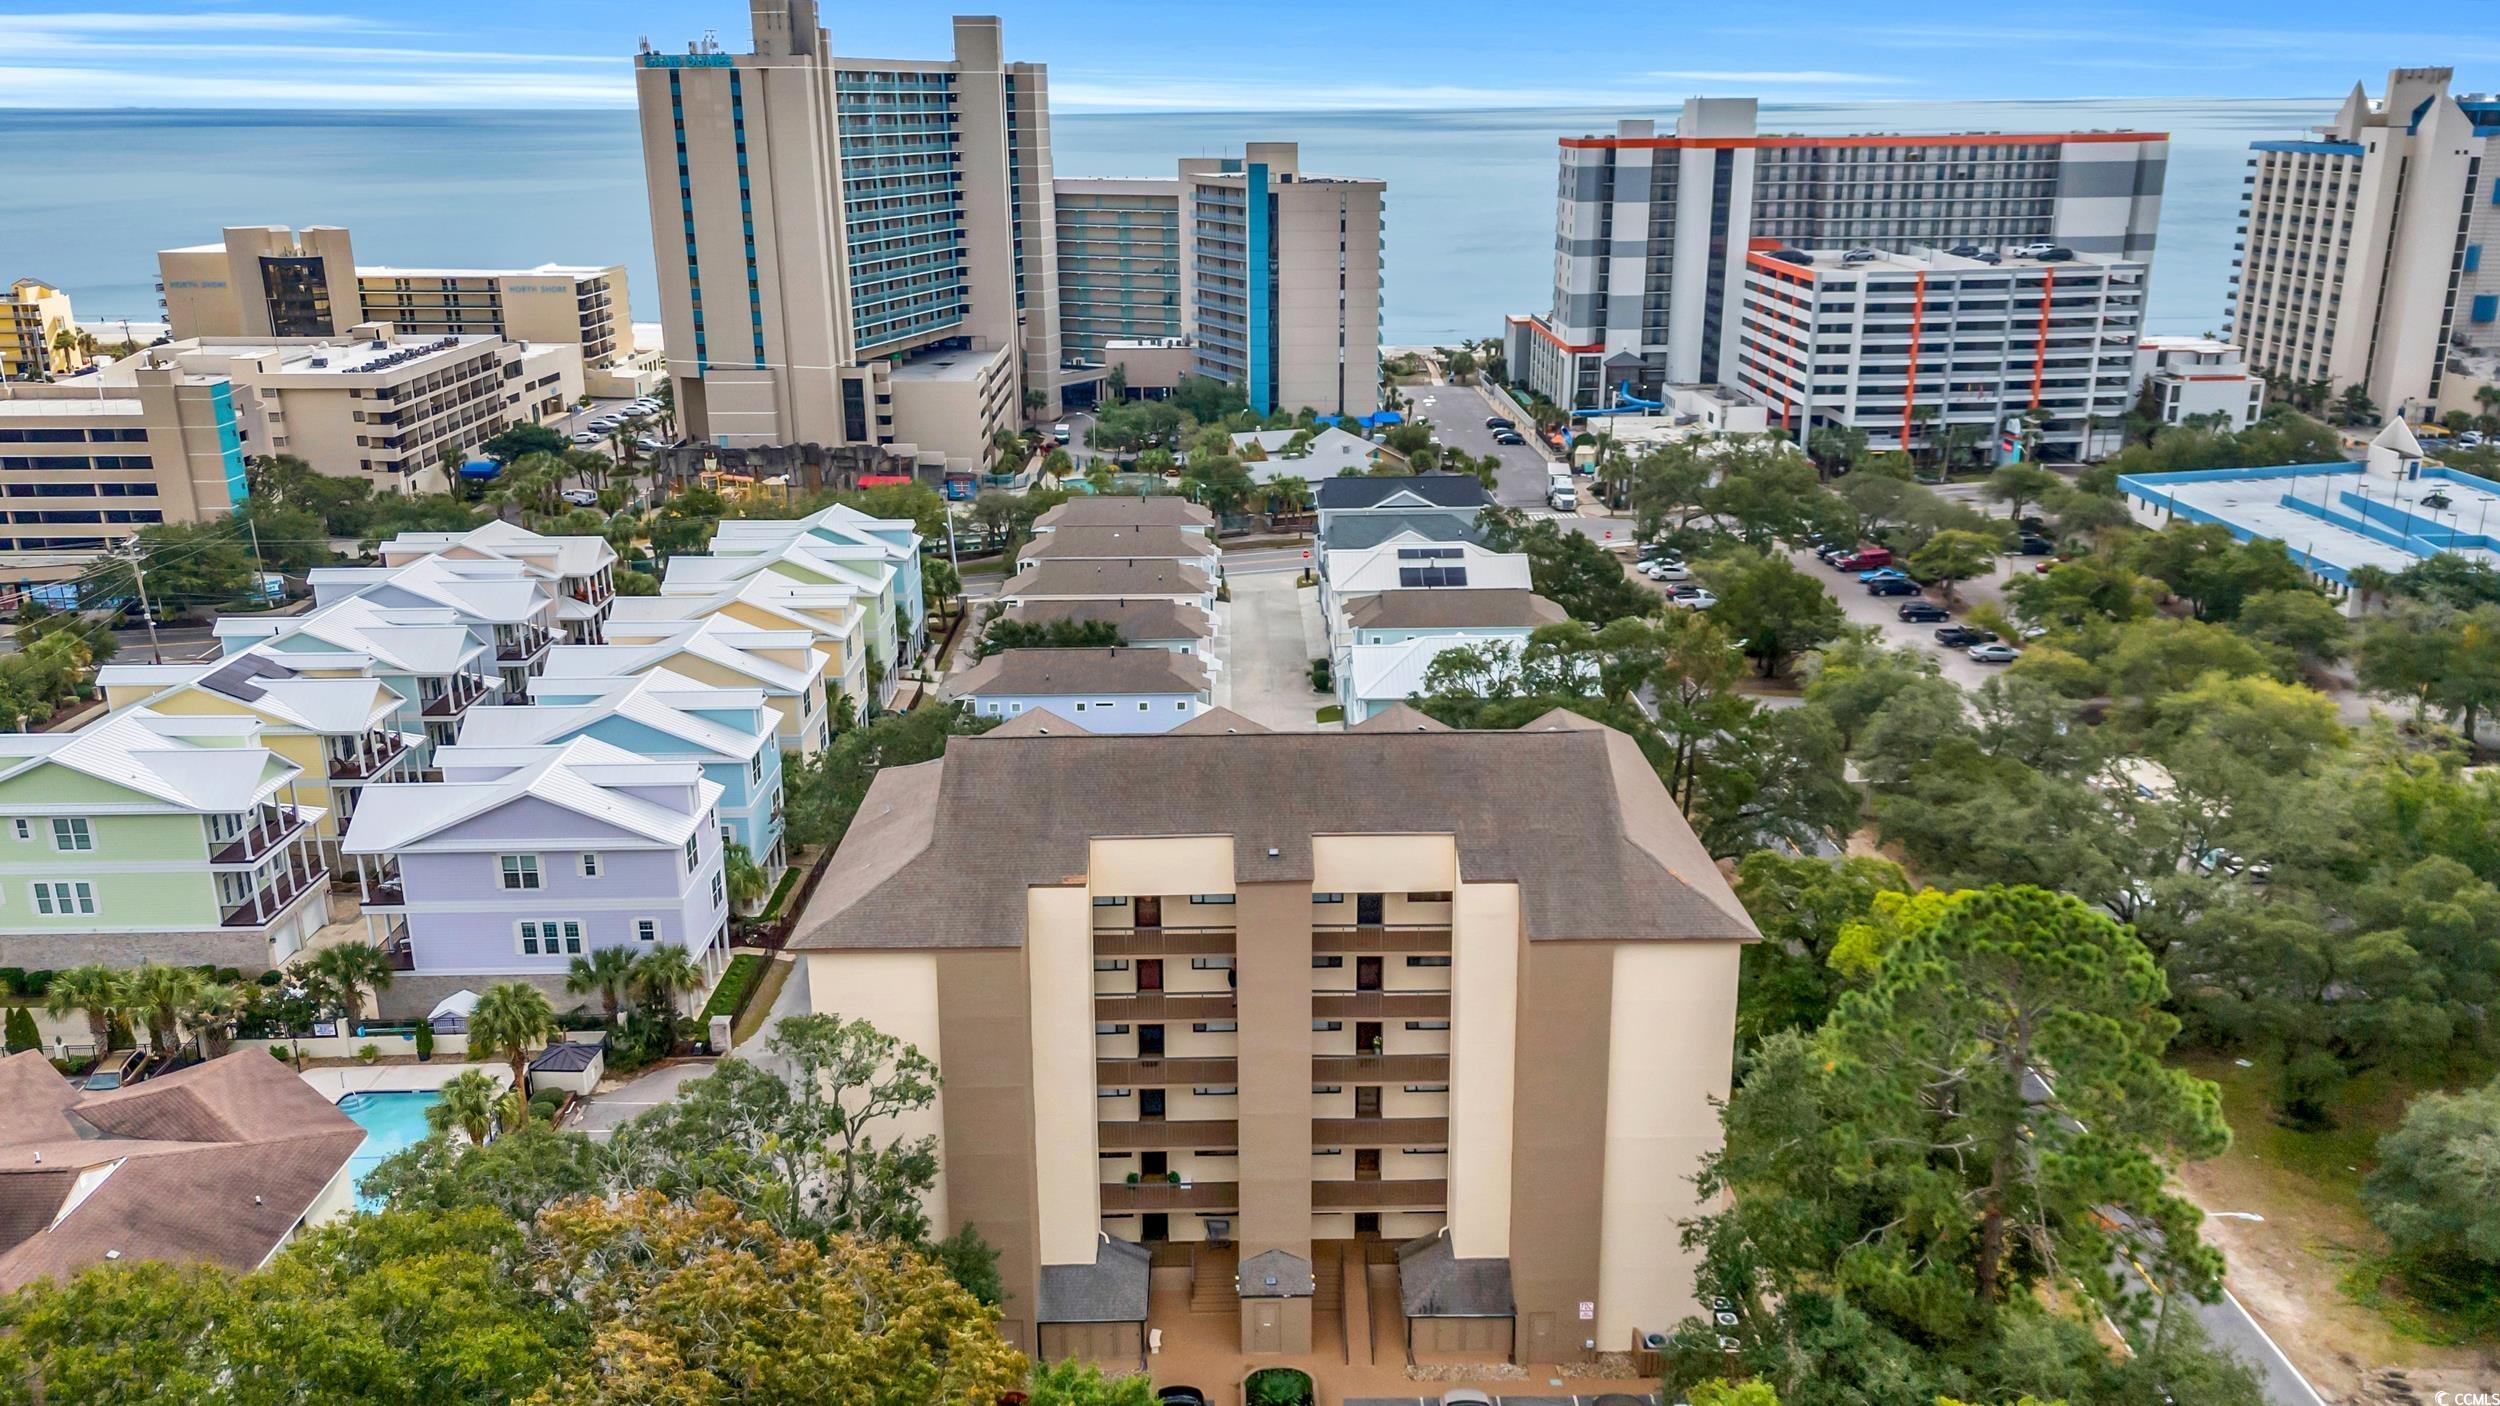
pixel 1100 92
pixel 105 87
pixel 1775 76
pixel 110 22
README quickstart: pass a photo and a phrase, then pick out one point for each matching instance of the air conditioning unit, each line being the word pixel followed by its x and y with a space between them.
pixel 1654 1342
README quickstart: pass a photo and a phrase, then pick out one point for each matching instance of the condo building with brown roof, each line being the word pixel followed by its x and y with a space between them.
pixel 1267 1008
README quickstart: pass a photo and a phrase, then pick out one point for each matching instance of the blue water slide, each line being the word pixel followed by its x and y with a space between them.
pixel 1626 403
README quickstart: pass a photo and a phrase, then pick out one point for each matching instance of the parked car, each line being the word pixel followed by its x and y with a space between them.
pixel 1060 433
pixel 1859 256
pixel 1663 570
pixel 1881 573
pixel 1691 598
pixel 585 438
pixel 1180 1396
pixel 2049 564
pixel 1964 251
pixel 1964 636
pixel 1496 422
pixel 1892 586
pixel 2032 250
pixel 1862 559
pixel 1994 653
pixel 1509 437
pixel 2035 546
pixel 1465 1396
pixel 580 497
pixel 1921 611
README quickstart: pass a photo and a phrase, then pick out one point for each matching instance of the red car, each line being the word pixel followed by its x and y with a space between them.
pixel 1863 560
pixel 2048 564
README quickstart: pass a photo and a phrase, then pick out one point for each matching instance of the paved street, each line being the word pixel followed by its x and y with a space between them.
pixel 1457 415
pixel 1271 652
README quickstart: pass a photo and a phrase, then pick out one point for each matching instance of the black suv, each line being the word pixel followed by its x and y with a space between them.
pixel 1964 636
pixel 2033 546
pixel 1919 612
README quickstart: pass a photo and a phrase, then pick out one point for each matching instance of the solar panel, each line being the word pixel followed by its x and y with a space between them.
pixel 1429 553
pixel 1410 575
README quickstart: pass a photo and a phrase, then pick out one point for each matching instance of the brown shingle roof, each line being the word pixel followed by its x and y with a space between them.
pixel 1451 610
pixel 1120 543
pixel 213 1163
pixel 1567 809
pixel 1037 722
pixel 1075 671
pixel 1114 579
pixel 1215 722
pixel 1160 510
pixel 1150 619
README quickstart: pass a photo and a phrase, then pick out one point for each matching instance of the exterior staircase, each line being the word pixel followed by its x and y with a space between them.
pixel 1211 1288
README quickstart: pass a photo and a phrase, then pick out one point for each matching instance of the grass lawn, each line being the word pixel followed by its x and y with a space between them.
pixel 760 1007
pixel 1333 713
pixel 2312 1269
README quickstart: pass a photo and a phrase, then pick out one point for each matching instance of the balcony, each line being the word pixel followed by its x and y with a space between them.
pixel 384 889
pixel 373 753
pixel 1411 1005
pixel 270 827
pixel 1380 1069
pixel 1163 942
pixel 1415 1195
pixel 397 949
pixel 1163 1005
pixel 520 645
pixel 1164 1196
pixel 1379 1132
pixel 1153 1073
pixel 1159 1135
pixel 457 696
pixel 291 881
pixel 1375 937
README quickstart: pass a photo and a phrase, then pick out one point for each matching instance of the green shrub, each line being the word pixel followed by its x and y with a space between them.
pixel 368 1053
pixel 13 980
pixel 279 1053
pixel 425 1039
pixel 34 982
pixel 1278 1386
pixel 272 977
pixel 737 985
pixel 21 1034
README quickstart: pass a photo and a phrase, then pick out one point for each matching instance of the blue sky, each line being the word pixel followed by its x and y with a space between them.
pixel 1229 55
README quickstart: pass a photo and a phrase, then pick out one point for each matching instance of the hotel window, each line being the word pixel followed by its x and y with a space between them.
pixel 1427 961
pixel 1216 1091
pixel 590 865
pixel 72 835
pixel 77 897
pixel 1111 1093
pixel 1328 898
pixel 694 850
pixel 1110 964
pixel 1210 964
pixel 1111 903
pixel 1325 1025
pixel 1427 1088
pixel 520 871
pixel 1210 898
pixel 646 930
pixel 1111 1030
pixel 1427 1025
pixel 1436 896
pixel 551 937
pixel 1216 1027
pixel 1328 1088
pixel 1330 963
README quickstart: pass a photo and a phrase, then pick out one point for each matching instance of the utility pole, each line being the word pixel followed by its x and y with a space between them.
pixel 139 573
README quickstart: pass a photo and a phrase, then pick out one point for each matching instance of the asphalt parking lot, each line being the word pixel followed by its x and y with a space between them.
pixel 1458 414
pixel 1883 612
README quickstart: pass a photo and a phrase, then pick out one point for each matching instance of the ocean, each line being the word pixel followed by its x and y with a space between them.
pixel 1470 201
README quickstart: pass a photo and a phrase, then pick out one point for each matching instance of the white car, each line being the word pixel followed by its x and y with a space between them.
pixel 1994 653
pixel 649 442
pixel 2032 250
pixel 580 497
pixel 585 438
pixel 1692 598
pixel 1663 570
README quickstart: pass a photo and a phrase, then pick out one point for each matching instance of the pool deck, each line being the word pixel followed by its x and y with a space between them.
pixel 336 1084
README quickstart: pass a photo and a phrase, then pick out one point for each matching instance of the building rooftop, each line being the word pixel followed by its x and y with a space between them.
pixel 216 1163
pixel 1827 265
pixel 934 859
pixel 951 364
pixel 1105 543
pixel 542 270
pixel 1442 610
pixel 1073 672
pixel 1114 579
pixel 1414 491
pixel 1149 619
pixel 601 783
pixel 199 763
pixel 2335 517
pixel 1161 509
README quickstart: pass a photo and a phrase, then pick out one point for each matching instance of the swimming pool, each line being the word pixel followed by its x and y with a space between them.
pixel 391 1121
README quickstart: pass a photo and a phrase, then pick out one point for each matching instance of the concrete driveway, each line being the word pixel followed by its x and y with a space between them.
pixel 1272 641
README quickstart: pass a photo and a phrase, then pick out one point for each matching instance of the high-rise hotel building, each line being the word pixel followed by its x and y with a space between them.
pixel 1652 232
pixel 1286 1015
pixel 821 222
pixel 1272 273
pixel 2362 257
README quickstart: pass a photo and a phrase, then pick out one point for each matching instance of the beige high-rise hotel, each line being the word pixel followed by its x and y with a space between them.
pixel 1259 1019
pixel 822 225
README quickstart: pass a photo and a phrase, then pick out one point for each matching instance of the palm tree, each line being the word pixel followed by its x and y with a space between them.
pixel 95 989
pixel 214 1011
pixel 345 970
pixel 2488 397
pixel 468 1103
pixel 607 971
pixel 663 974
pixel 162 994
pixel 2370 582
pixel 1289 492
pixel 512 1019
